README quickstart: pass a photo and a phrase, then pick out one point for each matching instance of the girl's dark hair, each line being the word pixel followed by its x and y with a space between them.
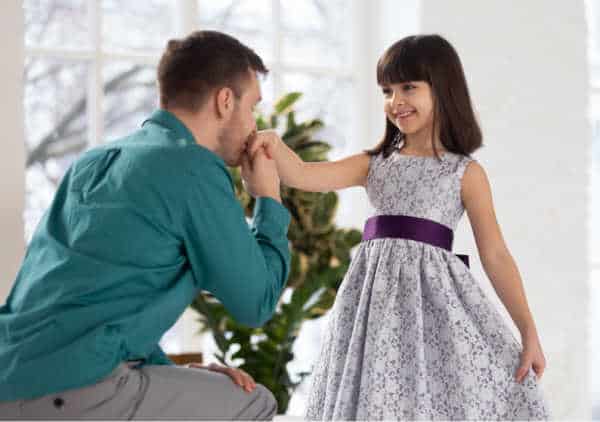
pixel 192 67
pixel 432 59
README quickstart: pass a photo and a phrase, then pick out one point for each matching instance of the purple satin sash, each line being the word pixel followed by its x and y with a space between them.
pixel 414 228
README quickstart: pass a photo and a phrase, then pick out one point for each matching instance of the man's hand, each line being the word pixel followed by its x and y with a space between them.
pixel 268 140
pixel 260 176
pixel 240 377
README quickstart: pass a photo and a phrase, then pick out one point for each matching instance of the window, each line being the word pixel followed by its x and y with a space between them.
pixel 89 76
pixel 90 70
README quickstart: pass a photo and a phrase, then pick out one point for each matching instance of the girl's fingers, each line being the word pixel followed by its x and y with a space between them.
pixel 257 144
pixel 268 152
pixel 539 370
pixel 519 375
pixel 263 149
pixel 257 147
pixel 522 371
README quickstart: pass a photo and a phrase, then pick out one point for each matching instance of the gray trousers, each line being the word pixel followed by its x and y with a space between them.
pixel 151 392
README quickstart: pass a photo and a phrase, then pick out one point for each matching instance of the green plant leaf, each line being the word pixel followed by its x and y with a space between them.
pixel 285 103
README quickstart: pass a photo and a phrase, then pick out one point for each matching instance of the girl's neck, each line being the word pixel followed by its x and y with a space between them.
pixel 421 144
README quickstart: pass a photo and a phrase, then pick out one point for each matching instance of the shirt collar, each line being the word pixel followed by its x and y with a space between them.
pixel 181 133
pixel 169 121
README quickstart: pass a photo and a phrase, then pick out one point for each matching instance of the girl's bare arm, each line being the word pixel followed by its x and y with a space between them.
pixel 500 266
pixel 313 176
pixel 495 256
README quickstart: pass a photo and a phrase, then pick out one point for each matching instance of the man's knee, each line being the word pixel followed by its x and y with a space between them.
pixel 270 400
pixel 263 404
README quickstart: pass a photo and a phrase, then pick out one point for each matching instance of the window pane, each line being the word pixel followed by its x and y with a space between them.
pixel 327 98
pixel 301 49
pixel 260 42
pixel 55 128
pixel 136 25
pixel 56 23
pixel 251 23
pixel 316 32
pixel 323 16
pixel 267 91
pixel 130 95
pixel 241 14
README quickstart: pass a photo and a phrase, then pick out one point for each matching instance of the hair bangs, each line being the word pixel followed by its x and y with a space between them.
pixel 401 63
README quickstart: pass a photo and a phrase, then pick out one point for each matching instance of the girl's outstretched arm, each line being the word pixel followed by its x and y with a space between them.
pixel 500 266
pixel 311 176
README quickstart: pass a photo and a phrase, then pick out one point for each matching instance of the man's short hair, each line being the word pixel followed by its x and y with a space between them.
pixel 191 68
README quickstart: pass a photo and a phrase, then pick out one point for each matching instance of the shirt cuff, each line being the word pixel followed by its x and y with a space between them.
pixel 271 217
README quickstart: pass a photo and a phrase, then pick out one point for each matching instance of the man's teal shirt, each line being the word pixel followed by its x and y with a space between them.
pixel 137 228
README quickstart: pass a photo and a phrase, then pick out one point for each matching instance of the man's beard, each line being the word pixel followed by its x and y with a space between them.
pixel 227 138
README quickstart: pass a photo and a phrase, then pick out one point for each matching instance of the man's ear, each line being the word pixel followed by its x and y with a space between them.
pixel 224 99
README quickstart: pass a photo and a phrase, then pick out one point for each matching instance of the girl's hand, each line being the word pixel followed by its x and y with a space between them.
pixel 531 356
pixel 238 376
pixel 267 139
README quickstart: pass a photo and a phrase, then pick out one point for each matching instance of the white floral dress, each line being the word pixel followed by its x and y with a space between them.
pixel 411 334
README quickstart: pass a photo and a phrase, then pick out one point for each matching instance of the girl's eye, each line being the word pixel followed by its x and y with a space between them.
pixel 386 91
pixel 409 86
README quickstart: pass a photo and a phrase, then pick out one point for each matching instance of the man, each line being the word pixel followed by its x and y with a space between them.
pixel 138 227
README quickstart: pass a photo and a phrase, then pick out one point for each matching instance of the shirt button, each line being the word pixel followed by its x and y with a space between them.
pixel 59 402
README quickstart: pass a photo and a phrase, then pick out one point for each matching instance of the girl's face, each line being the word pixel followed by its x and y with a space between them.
pixel 409 106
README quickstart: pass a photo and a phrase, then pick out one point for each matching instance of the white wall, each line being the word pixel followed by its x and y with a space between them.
pixel 12 159
pixel 526 67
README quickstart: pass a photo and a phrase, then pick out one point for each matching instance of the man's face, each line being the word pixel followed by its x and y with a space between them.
pixel 239 129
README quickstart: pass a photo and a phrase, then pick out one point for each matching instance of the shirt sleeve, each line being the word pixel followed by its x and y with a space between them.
pixel 244 267
pixel 158 357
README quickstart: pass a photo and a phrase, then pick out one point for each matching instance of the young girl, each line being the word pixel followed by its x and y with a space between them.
pixel 412 334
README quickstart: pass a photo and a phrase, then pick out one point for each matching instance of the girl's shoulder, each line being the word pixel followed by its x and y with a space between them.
pixel 462 162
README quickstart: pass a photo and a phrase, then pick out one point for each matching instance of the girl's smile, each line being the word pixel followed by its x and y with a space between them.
pixel 409 105
pixel 403 115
